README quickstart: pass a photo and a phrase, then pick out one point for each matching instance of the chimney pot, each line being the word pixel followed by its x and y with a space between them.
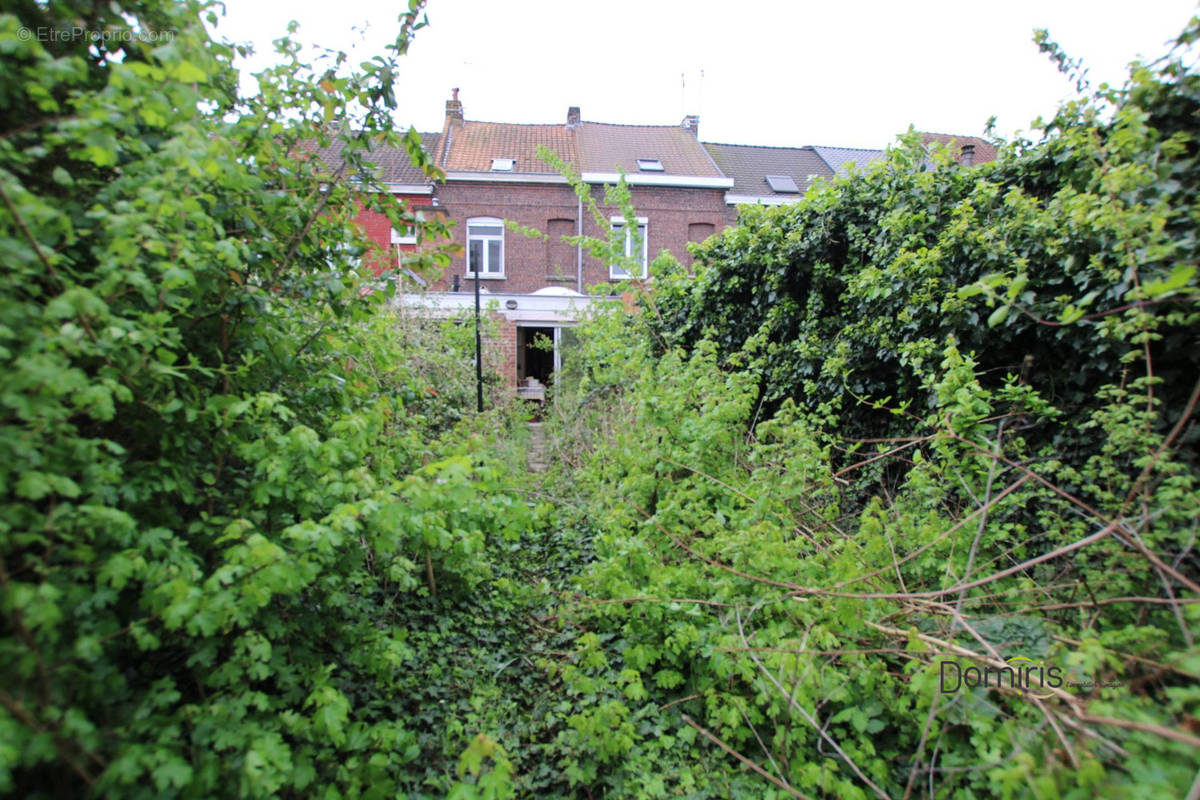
pixel 454 109
pixel 968 155
pixel 572 116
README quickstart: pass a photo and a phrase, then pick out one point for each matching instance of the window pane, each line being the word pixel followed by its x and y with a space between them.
pixel 474 254
pixel 485 230
pixel 494 258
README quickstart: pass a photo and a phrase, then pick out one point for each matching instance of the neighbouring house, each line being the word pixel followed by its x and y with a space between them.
pixel 767 175
pixel 395 170
pixel 966 150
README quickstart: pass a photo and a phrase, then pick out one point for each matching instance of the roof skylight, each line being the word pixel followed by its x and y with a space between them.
pixel 783 184
pixel 503 164
pixel 650 165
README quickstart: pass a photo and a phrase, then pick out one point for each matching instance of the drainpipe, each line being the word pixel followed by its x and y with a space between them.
pixel 478 347
pixel 579 247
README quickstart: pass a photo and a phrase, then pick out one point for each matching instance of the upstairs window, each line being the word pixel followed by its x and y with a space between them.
pixel 650 165
pixel 503 164
pixel 636 247
pixel 408 233
pixel 485 247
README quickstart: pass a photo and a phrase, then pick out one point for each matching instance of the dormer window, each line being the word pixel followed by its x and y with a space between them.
pixel 650 165
pixel 503 164
pixel 782 184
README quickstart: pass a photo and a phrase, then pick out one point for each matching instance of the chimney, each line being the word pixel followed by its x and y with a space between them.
pixel 454 109
pixel 968 155
pixel 573 117
pixel 691 123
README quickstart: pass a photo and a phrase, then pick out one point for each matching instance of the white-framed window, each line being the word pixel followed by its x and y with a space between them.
pixel 636 247
pixel 407 234
pixel 485 247
pixel 503 164
pixel 650 165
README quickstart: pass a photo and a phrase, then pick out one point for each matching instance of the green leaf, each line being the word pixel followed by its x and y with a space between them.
pixel 1180 276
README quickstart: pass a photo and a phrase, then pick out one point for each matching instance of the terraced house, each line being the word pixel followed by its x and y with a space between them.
pixel 683 190
pixel 494 175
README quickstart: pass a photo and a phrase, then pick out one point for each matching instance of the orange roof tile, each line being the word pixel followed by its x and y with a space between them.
pixel 471 146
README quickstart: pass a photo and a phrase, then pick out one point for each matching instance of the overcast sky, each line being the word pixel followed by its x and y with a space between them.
pixel 850 73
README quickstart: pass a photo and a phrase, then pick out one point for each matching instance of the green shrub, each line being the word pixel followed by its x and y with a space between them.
pixel 223 500
pixel 824 480
pixel 1069 262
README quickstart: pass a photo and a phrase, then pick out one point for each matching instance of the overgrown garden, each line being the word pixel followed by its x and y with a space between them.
pixel 930 427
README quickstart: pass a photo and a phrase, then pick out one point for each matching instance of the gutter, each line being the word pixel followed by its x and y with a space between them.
pixel 507 177
pixel 690 181
pixel 409 188
pixel 754 199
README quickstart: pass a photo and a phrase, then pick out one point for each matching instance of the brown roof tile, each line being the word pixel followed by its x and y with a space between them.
pixel 603 147
pixel 984 150
pixel 749 166
pixel 472 145
pixel 392 163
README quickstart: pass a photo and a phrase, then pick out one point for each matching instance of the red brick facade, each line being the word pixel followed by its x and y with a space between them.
pixel 379 229
pixel 672 213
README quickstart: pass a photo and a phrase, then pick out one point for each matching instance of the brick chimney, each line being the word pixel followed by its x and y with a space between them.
pixel 691 123
pixel 573 117
pixel 968 155
pixel 454 109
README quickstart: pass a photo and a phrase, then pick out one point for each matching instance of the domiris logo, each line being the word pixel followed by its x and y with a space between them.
pixel 1022 674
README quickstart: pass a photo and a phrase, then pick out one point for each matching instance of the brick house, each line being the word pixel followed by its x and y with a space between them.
pixel 398 175
pixel 539 284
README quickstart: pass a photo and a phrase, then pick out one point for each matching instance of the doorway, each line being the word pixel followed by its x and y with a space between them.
pixel 535 354
pixel 541 351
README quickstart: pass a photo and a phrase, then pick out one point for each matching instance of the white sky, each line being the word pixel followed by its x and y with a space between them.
pixel 850 73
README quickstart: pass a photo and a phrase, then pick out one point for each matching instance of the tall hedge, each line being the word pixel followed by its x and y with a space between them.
pixel 1056 265
pixel 218 497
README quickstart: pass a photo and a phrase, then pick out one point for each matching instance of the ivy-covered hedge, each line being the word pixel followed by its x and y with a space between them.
pixel 1048 264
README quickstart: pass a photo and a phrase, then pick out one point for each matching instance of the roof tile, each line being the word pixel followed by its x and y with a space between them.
pixel 393 163
pixel 472 145
pixel 603 147
pixel 840 159
pixel 749 166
